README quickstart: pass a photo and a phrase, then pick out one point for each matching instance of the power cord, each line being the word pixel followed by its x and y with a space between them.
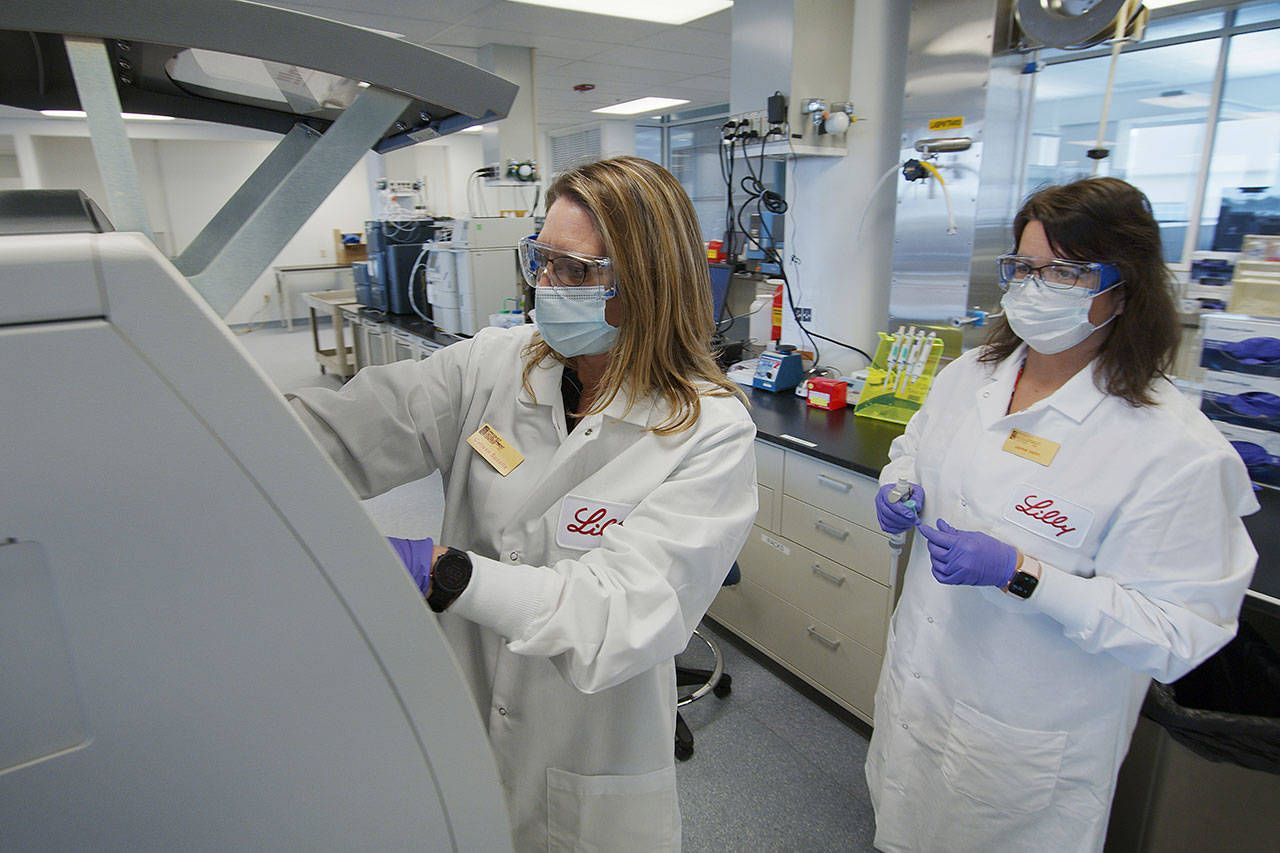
pixel 774 203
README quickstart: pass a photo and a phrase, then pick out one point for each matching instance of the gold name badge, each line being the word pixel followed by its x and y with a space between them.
pixel 495 449
pixel 1032 447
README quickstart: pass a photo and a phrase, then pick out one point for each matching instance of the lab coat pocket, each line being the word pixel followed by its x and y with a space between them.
pixel 1007 768
pixel 612 813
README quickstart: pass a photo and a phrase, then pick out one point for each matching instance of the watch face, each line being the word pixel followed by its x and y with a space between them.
pixel 452 571
pixel 1023 584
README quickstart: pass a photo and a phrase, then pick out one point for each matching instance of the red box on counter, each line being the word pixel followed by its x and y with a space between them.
pixel 824 393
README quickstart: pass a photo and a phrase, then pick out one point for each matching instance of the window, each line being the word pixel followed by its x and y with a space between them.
pixel 1202 144
pixel 1155 129
pixel 1242 193
pixel 693 156
pixel 649 142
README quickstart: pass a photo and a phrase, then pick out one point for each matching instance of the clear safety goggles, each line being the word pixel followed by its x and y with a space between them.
pixel 1080 277
pixel 545 264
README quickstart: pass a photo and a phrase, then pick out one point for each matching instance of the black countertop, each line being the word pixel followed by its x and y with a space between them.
pixel 839 437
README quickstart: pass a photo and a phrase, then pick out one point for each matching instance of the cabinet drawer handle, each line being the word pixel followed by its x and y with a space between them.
pixel 835 579
pixel 834 483
pixel 831 644
pixel 831 531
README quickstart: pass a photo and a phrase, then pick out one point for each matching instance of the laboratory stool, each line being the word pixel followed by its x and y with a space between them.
pixel 703 681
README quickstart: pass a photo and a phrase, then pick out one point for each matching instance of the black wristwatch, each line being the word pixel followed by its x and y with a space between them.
pixel 449 577
pixel 1023 583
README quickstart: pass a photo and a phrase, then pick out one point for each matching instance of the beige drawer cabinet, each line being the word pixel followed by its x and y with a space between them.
pixel 818 579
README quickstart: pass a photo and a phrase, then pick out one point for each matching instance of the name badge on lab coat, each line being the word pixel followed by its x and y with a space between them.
pixel 495 449
pixel 1048 516
pixel 583 521
pixel 1033 447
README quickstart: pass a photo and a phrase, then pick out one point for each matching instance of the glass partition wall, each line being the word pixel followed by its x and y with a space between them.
pixel 1194 122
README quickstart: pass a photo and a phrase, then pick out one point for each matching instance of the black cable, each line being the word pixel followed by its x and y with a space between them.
pixel 776 204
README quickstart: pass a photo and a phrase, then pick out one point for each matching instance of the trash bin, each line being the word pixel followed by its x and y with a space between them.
pixel 1203 770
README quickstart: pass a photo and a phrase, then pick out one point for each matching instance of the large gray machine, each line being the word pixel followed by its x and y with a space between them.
pixel 204 641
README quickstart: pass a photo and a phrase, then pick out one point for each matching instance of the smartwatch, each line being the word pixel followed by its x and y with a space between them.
pixel 1022 584
pixel 449 577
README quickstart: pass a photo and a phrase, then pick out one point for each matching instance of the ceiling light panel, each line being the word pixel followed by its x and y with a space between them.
pixel 674 12
pixel 640 105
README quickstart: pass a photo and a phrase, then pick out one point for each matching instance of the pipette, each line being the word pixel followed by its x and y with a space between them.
pixel 917 367
pixel 901 491
pixel 892 358
pixel 908 359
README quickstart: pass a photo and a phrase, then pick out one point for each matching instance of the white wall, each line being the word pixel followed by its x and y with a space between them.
pixel 446 165
pixel 186 181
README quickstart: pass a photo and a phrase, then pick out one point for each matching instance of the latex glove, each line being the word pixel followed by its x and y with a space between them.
pixel 898 517
pixel 969 557
pixel 416 554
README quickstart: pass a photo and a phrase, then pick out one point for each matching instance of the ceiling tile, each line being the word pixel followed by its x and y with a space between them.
pixel 595 72
pixel 688 63
pixel 688 40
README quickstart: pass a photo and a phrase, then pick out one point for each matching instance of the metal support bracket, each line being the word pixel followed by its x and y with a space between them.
pixel 280 197
pixel 252 193
pixel 96 86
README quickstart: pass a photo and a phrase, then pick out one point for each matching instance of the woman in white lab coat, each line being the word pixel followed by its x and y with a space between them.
pixel 1079 534
pixel 599 480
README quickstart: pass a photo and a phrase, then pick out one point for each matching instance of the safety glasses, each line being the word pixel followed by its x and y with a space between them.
pixel 561 267
pixel 1084 278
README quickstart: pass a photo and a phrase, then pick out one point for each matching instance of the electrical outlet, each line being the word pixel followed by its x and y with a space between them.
pixel 806 314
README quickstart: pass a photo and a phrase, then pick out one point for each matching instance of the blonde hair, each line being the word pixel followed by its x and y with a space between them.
pixel 651 233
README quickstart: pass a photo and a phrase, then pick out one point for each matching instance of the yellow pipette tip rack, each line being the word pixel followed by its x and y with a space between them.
pixel 893 392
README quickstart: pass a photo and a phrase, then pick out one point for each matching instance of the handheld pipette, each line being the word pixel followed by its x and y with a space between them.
pixel 901 491
pixel 892 358
pixel 917 368
pixel 908 359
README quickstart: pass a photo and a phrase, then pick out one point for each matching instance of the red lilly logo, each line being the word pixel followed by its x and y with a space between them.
pixel 1043 510
pixel 1048 516
pixel 583 521
pixel 591 522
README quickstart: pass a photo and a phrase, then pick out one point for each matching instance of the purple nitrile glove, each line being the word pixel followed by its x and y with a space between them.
pixel 416 556
pixel 969 557
pixel 902 515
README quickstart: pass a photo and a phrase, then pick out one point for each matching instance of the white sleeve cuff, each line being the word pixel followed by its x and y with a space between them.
pixel 1074 602
pixel 506 599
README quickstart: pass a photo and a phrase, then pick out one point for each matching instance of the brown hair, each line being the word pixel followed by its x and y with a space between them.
pixel 1109 220
pixel 651 233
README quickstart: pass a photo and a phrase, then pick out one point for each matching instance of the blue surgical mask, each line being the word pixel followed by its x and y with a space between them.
pixel 571 319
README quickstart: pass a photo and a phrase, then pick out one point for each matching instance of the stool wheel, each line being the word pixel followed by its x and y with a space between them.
pixel 724 687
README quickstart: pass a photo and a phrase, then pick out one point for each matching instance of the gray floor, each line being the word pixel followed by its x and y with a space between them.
pixel 776 767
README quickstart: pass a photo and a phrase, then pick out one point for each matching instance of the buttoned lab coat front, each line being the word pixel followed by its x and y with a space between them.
pixel 1000 724
pixel 569 626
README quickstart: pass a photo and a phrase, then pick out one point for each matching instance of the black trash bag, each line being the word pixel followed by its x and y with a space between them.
pixel 1228 708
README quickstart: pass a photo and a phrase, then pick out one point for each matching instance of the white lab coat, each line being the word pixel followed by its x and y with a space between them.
pixel 566 638
pixel 1000 724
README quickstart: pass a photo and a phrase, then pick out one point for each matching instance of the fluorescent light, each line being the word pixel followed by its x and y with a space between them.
pixel 1160 4
pixel 658 11
pixel 641 105
pixel 1178 99
pixel 475 128
pixel 81 114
